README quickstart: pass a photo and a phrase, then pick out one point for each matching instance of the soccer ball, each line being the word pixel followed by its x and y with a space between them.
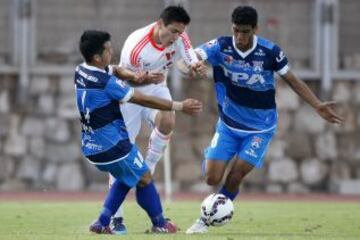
pixel 216 209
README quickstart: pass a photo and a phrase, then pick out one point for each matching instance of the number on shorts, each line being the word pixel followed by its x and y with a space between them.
pixel 138 161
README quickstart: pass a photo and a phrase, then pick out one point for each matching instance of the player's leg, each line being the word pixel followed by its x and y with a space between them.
pixel 117 222
pixel 238 171
pixel 221 150
pixel 162 123
pixel 127 173
pixel 132 118
pixel 148 198
pixel 251 154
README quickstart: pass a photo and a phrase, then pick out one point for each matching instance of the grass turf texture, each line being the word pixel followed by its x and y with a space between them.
pixel 252 220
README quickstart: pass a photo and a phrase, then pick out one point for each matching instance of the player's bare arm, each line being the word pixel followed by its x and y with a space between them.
pixel 188 106
pixel 198 68
pixel 324 109
pixel 138 78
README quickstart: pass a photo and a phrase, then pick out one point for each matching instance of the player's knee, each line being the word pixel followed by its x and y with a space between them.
pixel 167 123
pixel 212 179
pixel 145 180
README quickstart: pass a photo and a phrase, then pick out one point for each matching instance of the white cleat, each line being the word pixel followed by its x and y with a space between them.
pixel 198 227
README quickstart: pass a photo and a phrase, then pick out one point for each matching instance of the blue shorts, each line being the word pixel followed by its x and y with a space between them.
pixel 248 146
pixel 128 170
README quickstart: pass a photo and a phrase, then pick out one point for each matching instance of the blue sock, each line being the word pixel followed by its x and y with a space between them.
pixel 114 199
pixel 149 199
pixel 230 195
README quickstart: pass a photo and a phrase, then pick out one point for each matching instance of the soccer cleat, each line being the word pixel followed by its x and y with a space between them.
pixel 96 227
pixel 167 228
pixel 118 226
pixel 198 227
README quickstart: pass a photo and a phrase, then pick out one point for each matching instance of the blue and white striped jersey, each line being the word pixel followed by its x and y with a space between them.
pixel 98 95
pixel 244 81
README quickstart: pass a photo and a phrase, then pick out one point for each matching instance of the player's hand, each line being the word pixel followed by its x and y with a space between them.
pixel 327 112
pixel 192 106
pixel 154 78
pixel 199 68
pixel 143 78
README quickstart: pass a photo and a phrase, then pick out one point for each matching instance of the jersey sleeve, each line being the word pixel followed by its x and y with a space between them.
pixel 208 51
pixel 186 50
pixel 118 90
pixel 280 61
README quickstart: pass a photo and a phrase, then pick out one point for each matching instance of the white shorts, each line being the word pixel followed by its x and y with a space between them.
pixel 134 114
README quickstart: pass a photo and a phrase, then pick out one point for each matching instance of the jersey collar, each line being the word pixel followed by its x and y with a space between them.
pixel 92 68
pixel 246 53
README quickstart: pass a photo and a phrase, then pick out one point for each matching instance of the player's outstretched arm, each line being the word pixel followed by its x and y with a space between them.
pixel 138 78
pixel 188 106
pixel 324 109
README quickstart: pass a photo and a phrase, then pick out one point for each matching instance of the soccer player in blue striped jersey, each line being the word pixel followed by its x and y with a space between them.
pixel 243 67
pixel 104 138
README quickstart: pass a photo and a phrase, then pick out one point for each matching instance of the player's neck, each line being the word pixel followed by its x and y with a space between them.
pixel 97 65
pixel 155 35
pixel 246 47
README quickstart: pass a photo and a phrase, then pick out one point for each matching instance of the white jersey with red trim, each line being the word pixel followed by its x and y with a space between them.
pixel 141 53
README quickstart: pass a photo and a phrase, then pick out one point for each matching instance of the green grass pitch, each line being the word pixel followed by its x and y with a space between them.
pixel 252 220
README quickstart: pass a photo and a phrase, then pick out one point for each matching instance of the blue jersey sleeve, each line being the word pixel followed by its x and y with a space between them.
pixel 209 51
pixel 118 90
pixel 280 61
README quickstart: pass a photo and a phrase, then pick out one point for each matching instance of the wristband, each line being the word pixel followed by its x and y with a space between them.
pixel 177 106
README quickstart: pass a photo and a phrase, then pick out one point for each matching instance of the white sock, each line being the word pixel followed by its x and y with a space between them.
pixel 120 211
pixel 156 148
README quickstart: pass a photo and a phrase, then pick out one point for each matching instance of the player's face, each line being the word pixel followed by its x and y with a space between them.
pixel 243 35
pixel 105 58
pixel 170 33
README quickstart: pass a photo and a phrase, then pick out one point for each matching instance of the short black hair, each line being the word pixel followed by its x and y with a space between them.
pixel 245 15
pixel 92 43
pixel 175 14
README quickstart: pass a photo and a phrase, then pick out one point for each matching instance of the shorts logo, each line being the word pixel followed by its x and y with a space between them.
pixel 255 144
pixel 256 141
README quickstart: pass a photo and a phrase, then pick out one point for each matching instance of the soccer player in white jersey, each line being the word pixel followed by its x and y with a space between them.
pixel 244 65
pixel 154 49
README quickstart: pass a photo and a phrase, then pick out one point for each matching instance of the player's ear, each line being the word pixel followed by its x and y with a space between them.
pixel 256 29
pixel 97 58
pixel 161 23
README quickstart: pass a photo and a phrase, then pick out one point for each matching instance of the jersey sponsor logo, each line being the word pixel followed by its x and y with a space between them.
pixel 280 57
pixel 260 53
pixel 228 50
pixel 93 146
pixel 238 77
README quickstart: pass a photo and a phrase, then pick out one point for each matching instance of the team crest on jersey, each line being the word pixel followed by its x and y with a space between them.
pixel 258 66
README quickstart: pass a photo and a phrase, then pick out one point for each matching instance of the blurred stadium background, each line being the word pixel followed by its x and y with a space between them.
pixel 39 127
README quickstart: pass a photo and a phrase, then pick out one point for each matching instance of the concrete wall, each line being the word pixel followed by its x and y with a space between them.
pixel 39 144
